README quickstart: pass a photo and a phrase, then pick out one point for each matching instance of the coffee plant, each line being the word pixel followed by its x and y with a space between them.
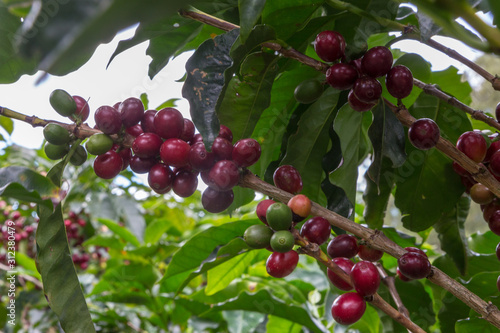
pixel 325 181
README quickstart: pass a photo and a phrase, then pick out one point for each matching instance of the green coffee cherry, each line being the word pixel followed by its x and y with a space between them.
pixel 308 91
pixel 62 102
pixel 79 156
pixel 282 241
pixel 99 144
pixel 258 236
pixel 279 216
pixel 56 134
pixel 55 152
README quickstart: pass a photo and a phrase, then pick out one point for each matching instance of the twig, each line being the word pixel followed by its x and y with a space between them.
pixel 388 280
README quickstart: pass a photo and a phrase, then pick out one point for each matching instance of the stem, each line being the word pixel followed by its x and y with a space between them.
pixel 388 280
pixel 492 35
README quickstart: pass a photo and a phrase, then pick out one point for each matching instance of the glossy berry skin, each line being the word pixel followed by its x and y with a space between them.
pixel 329 46
pixel 424 133
pixel 225 132
pixel 131 111
pixel 279 216
pixel 460 170
pixel 367 89
pixel 399 81
pixel 82 109
pixel 356 104
pixel 480 194
pixel 494 223
pixel 489 209
pixel 282 241
pixel 377 61
pixel 308 91
pixel 316 230
pixel 346 265
pixel 214 201
pixel 300 206
pixel 108 165
pixel 141 165
pixel 147 145
pixel 261 209
pixel 287 178
pixel 147 121
pixel 414 265
pixel 175 152
pixel 222 149
pixel 199 158
pixel 497 112
pixel 126 155
pixel 160 178
pixel 258 236
pixel 473 145
pixel 169 123
pixel 492 149
pixel 185 183
pixel 415 250
pixel 348 308
pixel 494 165
pixel 108 119
pixel 135 130
pixel 279 265
pixel 368 253
pixel 224 175
pixel 187 130
pixel 341 76
pixel 343 246
pixel 365 278
pixel 401 276
pixel 246 152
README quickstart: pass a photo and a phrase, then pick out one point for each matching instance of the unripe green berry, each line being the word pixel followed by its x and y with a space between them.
pixel 279 216
pixel 99 144
pixel 258 236
pixel 79 156
pixel 55 152
pixel 56 134
pixel 62 102
pixel 282 241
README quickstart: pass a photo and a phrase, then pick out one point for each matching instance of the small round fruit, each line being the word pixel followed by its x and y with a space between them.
pixel 225 132
pixel 473 145
pixel 399 81
pixel 344 264
pixel 494 223
pixel 365 278
pixel 261 209
pixel 147 145
pixel 316 230
pixel 246 152
pixel 329 46
pixel 108 165
pixel 348 308
pixel 282 241
pixel 185 183
pixel 481 194
pixel 199 158
pixel 416 250
pixel 224 175
pixel 222 149
pixel 279 265
pixel 131 111
pixel 377 61
pixel 135 130
pixel 62 102
pixel 215 201
pixel 141 165
pixel 279 216
pixel 287 178
pixel 414 265
pixel 366 252
pixel 308 91
pixel 98 144
pixel 108 119
pixel 258 236
pixel 492 149
pixel 160 178
pixel 126 155
pixel 169 123
pixel 55 152
pixel 56 134
pixel 367 89
pixel 300 206
pixel 148 121
pixel 187 130
pixel 356 104
pixel 341 76
pixel 494 165
pixel 424 133
pixel 175 152
pixel 497 112
pixel 343 246
pixel 79 156
pixel 401 276
pixel 82 109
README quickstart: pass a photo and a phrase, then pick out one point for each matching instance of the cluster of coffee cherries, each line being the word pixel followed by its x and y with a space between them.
pixel 17 231
pixel 360 76
pixel 75 231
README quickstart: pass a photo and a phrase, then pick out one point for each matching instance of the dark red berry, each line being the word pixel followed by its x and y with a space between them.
pixel 131 111
pixel 415 250
pixel 108 119
pixel 346 265
pixel 214 201
pixel 343 246
pixel 197 138
pixel 493 148
pixel 222 149
pixel 147 145
pixel 414 265
pixel 135 130
pixel 497 112
pixel 316 230
pixel 287 178
pixel 341 76
pixel 175 152
pixel 199 158
pixel 279 265
pixel 494 165
pixel 169 123
pixel 460 170
pixel 348 308
pixel 377 61
pixel 494 222
pixel 224 175
pixel 401 276
pixel 399 81
pixel 246 152
pixel 225 132
pixel 141 165
pixel 187 130
pixel 160 178
pixel 365 278
pixel 489 209
pixel 82 109
pixel 473 145
pixel 185 183
pixel 262 207
pixel 126 155
pixel 366 252
pixel 329 46
pixel 148 121
pixel 356 104
pixel 424 133
pixel 367 89
pixel 108 165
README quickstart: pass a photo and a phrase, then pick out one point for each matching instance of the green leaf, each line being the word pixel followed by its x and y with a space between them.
pixel 388 139
pixel 278 324
pixel 6 123
pixel 242 321
pixel 144 275
pixel 264 302
pixel 484 243
pixel 155 230
pixel 205 80
pixel 242 196
pixel 250 11
pixel 495 10
pixel 109 241
pixel 221 276
pixel 451 83
pixel 120 231
pixel 451 233
pixel 369 323
pixel 420 307
pixel 28 264
pixel 306 148
pixel 60 281
pixel 128 210
pixel 472 325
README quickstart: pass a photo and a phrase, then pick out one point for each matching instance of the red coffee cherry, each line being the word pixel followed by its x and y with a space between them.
pixel 287 178
pixel 108 165
pixel 175 152
pixel 108 119
pixel 279 265
pixel 199 158
pixel 148 121
pixel 131 111
pixel 473 145
pixel 224 175
pixel 343 246
pixel 367 89
pixel 141 165
pixel 82 109
pixel 341 76
pixel 169 123
pixel 416 250
pixel 187 130
pixel 316 230
pixel 329 46
pixel 356 104
pixel 348 308
pixel 399 81
pixel 377 61
pixel 365 278
pixel 346 265
pixel 225 132
pixel 185 183
pixel 147 145
pixel 262 207
pixel 160 178
pixel 214 201
pixel 222 149
pixel 414 265
pixel 494 223
pixel 246 152
pixel 135 130
pixel 401 276
pixel 366 252
pixel 300 206
pixel 424 133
